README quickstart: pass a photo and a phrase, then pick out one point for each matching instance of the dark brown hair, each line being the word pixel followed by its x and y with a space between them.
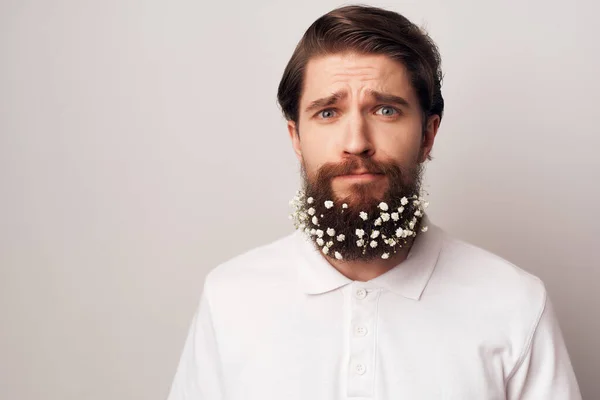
pixel 366 30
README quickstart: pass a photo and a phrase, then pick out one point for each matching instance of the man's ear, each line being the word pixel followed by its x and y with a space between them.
pixel 433 124
pixel 295 136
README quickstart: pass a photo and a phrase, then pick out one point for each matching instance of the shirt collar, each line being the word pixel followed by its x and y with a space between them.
pixel 408 279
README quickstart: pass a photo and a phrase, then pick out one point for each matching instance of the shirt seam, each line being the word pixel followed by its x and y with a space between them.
pixel 529 341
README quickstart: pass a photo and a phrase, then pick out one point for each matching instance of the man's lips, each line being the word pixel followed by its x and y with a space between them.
pixel 361 176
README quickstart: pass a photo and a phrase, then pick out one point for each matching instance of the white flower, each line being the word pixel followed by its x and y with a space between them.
pixel 399 232
pixel 325 250
pixel 385 217
pixel 418 213
pixel 424 229
pixel 311 211
pixel 377 222
pixel 330 243
pixel 320 242
pixel 391 242
pixel 385 256
pixel 328 204
pixel 313 231
pixel 383 206
pixel 400 209
pixel 338 255
pixel 395 216
pixel 310 200
pixel 360 243
pixel 330 231
pixel 360 233
pixel 319 233
pixel 411 224
pixel 404 201
pixel 344 205
pixel 374 234
pixel 426 204
pixel 364 215
pixel 373 243
pixel 408 232
pixel 315 220
pixel 416 202
pixel 341 237
pixel 302 226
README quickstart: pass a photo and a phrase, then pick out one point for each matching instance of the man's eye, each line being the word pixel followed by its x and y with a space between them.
pixel 388 111
pixel 327 113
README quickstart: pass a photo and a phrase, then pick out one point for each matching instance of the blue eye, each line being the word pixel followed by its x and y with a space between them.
pixel 328 110
pixel 390 112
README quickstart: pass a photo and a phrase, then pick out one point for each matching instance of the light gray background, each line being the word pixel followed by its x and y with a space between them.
pixel 141 146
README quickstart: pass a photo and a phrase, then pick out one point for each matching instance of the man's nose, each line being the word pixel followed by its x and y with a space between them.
pixel 356 138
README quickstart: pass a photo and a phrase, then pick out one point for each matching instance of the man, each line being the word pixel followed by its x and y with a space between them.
pixel 368 299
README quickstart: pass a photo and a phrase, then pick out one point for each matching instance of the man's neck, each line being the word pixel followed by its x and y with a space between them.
pixel 365 271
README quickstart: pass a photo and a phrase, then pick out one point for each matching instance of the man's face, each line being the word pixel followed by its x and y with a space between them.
pixel 374 116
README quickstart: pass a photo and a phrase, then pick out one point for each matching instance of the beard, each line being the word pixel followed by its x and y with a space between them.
pixel 362 225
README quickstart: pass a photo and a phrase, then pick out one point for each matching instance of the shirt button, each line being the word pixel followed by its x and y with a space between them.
pixel 360 293
pixel 360 369
pixel 360 331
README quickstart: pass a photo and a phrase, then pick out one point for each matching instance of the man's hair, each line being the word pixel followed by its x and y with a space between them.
pixel 366 30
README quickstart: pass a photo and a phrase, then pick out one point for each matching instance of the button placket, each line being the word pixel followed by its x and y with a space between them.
pixel 362 342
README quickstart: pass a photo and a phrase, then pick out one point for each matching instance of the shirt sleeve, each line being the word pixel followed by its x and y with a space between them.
pixel 198 375
pixel 544 371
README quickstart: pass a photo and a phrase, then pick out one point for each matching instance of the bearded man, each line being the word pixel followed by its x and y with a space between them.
pixel 368 299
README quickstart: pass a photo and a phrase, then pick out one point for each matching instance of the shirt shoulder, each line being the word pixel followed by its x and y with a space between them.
pixel 488 281
pixel 263 266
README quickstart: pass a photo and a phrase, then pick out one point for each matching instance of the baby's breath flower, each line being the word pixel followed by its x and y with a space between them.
pixel 418 213
pixel 383 206
pixel 395 216
pixel 400 210
pixel 364 215
pixel 424 229
pixel 341 237
pixel 411 224
pixel 329 244
pixel 315 220
pixel 373 243
pixel 392 242
pixel 313 231
pixel 320 242
pixel 400 232
pixel 331 231
pixel 310 200
pixel 426 204
pixel 374 234
pixel 385 217
pixel 344 205
pixel 338 255
pixel 360 233
pixel 360 243
pixel 328 204
pixel 416 202
pixel 385 256
pixel 377 222
pixel 325 250
pixel 319 233
pixel 311 211
pixel 404 201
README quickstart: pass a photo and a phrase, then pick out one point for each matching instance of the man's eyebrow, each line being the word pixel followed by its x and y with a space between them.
pixel 326 101
pixel 379 97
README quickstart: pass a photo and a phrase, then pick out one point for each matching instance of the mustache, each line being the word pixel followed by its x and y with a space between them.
pixel 349 166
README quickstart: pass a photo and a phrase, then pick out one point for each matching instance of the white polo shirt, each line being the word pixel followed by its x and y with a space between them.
pixel 451 322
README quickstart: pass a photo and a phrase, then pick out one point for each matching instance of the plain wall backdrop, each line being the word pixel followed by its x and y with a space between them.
pixel 141 145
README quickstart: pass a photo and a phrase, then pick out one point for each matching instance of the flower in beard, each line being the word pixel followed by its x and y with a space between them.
pixel 371 226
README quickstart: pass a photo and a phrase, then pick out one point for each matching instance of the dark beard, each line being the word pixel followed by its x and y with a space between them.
pixel 401 183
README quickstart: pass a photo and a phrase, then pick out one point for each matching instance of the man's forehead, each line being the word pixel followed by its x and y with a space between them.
pixel 335 72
